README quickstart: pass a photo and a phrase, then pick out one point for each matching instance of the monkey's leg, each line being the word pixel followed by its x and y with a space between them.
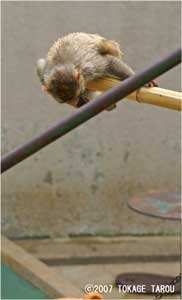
pixel 121 70
pixel 118 68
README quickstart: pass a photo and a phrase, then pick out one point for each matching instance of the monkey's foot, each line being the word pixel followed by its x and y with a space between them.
pixel 152 83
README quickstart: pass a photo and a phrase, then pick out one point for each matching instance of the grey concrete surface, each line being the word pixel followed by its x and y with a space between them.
pixel 81 183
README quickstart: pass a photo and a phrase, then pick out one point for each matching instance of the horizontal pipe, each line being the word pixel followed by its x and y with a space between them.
pixel 90 110
pixel 153 95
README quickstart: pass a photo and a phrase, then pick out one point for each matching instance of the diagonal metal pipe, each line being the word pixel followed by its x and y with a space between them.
pixel 90 110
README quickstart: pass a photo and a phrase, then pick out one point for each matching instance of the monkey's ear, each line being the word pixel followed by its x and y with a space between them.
pixel 41 63
pixel 40 68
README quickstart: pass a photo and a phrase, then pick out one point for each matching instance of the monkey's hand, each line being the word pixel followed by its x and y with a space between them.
pixel 82 101
pixel 78 102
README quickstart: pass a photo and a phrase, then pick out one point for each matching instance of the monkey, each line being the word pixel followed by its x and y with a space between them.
pixel 76 59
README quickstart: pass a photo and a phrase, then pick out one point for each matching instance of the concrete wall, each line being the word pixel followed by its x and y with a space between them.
pixel 81 183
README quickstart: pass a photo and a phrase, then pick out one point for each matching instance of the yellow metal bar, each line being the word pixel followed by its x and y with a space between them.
pixel 153 95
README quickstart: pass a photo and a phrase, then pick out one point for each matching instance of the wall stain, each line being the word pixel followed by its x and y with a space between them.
pixel 98 174
pixel 48 177
pixel 126 156
pixel 98 154
pixel 94 188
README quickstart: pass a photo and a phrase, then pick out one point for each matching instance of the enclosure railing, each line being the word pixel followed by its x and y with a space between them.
pixel 90 110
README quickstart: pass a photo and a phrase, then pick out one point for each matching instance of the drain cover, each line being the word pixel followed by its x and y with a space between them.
pixel 161 205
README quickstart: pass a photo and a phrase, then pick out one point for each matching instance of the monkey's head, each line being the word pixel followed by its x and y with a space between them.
pixel 64 82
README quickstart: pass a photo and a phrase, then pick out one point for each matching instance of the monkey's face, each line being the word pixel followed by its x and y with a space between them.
pixel 64 83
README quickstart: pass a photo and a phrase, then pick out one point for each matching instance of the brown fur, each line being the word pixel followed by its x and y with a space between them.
pixel 109 47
